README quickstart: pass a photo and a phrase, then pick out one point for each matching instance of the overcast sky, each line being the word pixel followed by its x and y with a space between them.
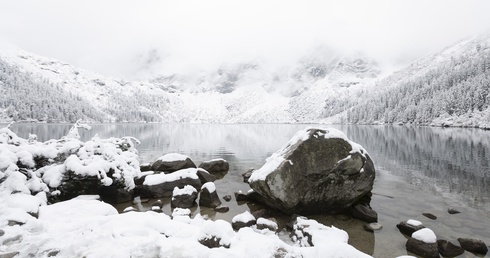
pixel 116 37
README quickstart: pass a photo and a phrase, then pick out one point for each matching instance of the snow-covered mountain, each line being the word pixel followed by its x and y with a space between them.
pixel 246 92
pixel 322 86
pixel 448 88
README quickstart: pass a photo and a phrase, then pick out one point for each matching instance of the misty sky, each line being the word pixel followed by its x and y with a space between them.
pixel 133 38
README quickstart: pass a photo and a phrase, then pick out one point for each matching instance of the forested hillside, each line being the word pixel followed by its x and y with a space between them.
pixel 450 88
pixel 27 97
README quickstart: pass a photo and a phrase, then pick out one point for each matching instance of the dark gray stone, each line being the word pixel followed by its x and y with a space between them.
pixel 426 250
pixel 448 249
pixel 247 175
pixel 212 242
pixel 408 229
pixel 364 212
pixel 453 211
pixel 473 245
pixel 171 166
pixel 240 197
pixel 227 197
pixel 209 199
pixel 205 176
pixel 184 200
pixel 318 174
pixel 222 209
pixel 262 213
pixel 215 166
pixel 430 216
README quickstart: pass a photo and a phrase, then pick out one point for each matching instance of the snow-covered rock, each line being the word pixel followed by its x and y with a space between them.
pixel 172 162
pixel 208 196
pixel 245 219
pixel 317 171
pixel 161 185
pixel 184 197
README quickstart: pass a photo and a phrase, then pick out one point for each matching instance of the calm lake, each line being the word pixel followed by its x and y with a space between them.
pixel 419 170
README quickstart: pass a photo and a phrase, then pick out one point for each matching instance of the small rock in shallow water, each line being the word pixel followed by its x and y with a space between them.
pixel 473 245
pixel 430 216
pixel 409 227
pixel 247 175
pixel 427 250
pixel 448 249
pixel 222 209
pixel 240 197
pixel 371 227
pixel 453 211
pixel 227 197
pixel 364 212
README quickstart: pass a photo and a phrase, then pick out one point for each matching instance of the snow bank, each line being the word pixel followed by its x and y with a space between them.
pixel 277 158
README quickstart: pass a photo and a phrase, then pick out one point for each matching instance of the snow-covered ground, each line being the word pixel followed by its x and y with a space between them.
pixel 87 227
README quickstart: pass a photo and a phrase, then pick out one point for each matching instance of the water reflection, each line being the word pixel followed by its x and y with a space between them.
pixel 452 162
pixel 449 165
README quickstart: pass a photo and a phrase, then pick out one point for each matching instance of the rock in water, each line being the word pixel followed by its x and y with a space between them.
pixel 172 162
pixel 318 171
pixel 215 166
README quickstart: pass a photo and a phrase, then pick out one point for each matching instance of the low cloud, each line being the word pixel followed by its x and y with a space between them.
pixel 140 39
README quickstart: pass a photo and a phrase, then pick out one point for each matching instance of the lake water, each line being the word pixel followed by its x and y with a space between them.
pixel 419 169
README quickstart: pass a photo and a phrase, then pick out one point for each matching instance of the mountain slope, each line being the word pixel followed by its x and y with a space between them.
pixel 246 92
pixel 449 88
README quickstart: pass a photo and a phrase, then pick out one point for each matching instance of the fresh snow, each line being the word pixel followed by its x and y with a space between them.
pixel 414 223
pixel 245 217
pixel 425 235
pixel 210 186
pixel 87 227
pixel 172 157
pixel 186 190
pixel 156 179
pixel 278 158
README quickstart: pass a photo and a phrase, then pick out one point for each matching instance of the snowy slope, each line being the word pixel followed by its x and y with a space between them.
pixel 246 92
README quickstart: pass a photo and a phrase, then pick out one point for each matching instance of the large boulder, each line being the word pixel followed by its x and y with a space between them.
pixel 318 171
pixel 172 162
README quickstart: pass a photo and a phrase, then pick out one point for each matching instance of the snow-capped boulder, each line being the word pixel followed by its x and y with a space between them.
pixel 424 243
pixel 209 197
pixel 410 226
pixel 215 166
pixel 318 171
pixel 242 220
pixel 266 224
pixel 162 185
pixel 184 197
pixel 172 162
